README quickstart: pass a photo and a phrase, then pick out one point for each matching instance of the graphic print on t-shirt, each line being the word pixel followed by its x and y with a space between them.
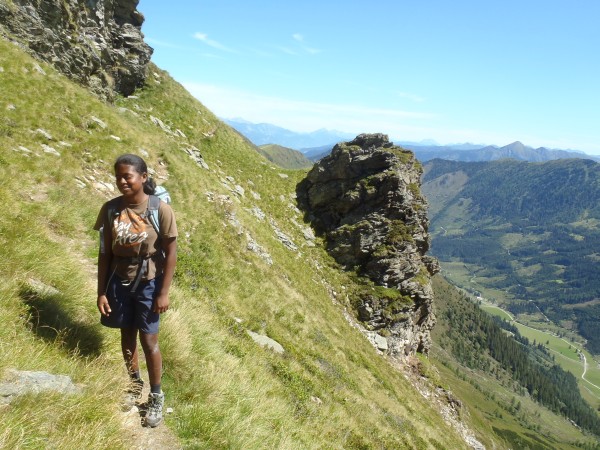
pixel 129 229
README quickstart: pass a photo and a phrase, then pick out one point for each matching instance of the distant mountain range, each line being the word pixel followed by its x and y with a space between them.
pixel 517 150
pixel 266 133
pixel 319 143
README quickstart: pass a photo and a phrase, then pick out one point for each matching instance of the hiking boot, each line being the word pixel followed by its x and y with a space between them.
pixel 133 394
pixel 155 409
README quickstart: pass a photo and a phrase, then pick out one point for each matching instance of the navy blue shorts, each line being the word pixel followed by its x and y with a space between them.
pixel 132 309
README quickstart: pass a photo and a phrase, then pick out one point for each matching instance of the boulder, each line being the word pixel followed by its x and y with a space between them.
pixel 24 382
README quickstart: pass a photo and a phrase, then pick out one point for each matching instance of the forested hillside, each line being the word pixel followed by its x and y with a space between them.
pixel 527 234
pixel 507 376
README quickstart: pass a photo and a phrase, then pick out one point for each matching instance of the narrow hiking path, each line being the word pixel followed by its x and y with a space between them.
pixel 139 437
pixel 146 438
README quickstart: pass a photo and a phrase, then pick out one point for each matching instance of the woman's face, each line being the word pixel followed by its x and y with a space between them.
pixel 129 181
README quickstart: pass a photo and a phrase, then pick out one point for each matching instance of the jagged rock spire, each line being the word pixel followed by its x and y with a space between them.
pixel 365 198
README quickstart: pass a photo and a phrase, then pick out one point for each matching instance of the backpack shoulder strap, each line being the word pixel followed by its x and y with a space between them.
pixel 112 209
pixel 152 214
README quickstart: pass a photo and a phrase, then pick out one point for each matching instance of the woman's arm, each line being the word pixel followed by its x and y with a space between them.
pixel 169 246
pixel 104 260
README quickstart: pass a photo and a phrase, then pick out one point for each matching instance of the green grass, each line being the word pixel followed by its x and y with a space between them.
pixel 285 157
pixel 330 389
pixel 565 352
pixel 496 311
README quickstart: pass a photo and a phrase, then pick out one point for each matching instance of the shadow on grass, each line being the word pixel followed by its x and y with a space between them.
pixel 52 321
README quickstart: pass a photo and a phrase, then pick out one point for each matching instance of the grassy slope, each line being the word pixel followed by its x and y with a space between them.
pixel 225 390
pixel 285 157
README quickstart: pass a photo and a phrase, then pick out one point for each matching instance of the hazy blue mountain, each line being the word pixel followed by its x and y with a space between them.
pixel 265 133
pixel 517 150
pixel 316 153
pixel 319 143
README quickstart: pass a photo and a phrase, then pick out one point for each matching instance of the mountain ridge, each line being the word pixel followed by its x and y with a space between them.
pixel 318 144
pixel 265 133
pixel 284 157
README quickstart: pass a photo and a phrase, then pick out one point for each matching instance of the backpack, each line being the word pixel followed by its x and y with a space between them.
pixel 160 193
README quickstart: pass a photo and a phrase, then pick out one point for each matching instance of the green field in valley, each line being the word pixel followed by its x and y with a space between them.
pixel 568 354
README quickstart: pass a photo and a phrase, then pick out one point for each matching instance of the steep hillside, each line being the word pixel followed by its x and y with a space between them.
pixel 245 264
pixel 526 234
pixel 486 361
pixel 284 157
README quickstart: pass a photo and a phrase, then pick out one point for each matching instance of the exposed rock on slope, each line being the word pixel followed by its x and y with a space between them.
pixel 97 43
pixel 365 198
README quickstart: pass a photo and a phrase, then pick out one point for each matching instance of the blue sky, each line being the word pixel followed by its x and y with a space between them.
pixel 452 71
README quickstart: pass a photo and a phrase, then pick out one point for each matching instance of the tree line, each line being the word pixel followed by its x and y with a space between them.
pixel 473 336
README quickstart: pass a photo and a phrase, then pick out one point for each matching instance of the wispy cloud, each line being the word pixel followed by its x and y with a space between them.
pixel 311 50
pixel 411 97
pixel 301 115
pixel 212 43
pixel 299 38
pixel 306 116
pixel 287 50
pixel 163 44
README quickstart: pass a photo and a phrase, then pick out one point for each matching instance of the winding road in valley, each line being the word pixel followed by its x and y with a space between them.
pixel 581 354
pixel 585 363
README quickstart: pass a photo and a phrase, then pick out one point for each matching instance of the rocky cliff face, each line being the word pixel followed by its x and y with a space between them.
pixel 97 43
pixel 365 199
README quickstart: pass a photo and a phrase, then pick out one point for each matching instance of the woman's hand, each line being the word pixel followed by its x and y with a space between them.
pixel 103 305
pixel 161 303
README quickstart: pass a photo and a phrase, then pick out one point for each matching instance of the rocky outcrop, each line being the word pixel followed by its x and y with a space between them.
pixel 365 199
pixel 27 382
pixel 97 43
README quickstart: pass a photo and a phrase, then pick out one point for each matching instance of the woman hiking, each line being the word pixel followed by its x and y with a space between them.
pixel 136 263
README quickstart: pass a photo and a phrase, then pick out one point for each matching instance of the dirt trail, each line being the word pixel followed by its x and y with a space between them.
pixel 146 438
pixel 139 437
